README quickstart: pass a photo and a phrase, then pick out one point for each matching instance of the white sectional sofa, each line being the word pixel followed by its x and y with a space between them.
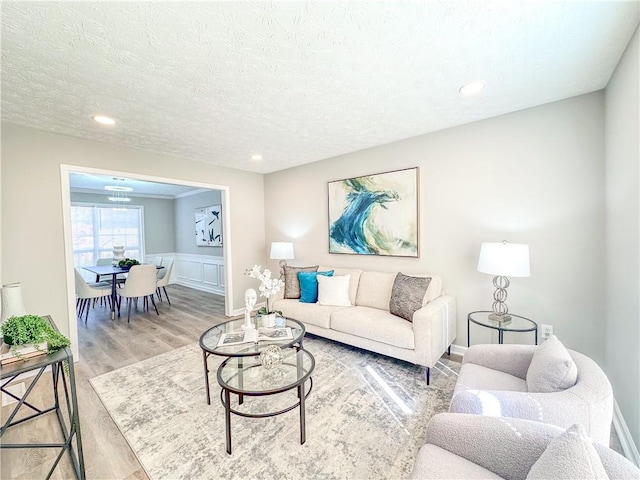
pixel 368 324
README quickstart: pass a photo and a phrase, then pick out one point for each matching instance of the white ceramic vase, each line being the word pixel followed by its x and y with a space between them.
pixel 118 253
pixel 11 301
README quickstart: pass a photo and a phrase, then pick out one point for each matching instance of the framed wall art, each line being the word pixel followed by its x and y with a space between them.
pixel 208 222
pixel 375 214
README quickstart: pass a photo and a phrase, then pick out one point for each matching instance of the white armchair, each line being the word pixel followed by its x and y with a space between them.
pixel 493 382
pixel 474 447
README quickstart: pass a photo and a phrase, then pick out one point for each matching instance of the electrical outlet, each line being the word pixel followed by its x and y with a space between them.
pixel 546 331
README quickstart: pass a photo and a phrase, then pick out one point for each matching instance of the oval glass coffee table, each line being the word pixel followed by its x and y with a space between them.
pixel 516 324
pixel 210 339
pixel 247 377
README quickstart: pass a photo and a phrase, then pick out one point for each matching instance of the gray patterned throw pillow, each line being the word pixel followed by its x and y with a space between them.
pixel 291 282
pixel 407 295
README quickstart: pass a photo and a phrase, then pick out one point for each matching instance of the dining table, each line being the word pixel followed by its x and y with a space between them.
pixel 114 271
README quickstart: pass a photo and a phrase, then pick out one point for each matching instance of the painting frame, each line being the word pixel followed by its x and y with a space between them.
pixel 208 226
pixel 376 214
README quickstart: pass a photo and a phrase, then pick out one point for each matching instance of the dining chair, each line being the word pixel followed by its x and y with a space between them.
pixel 120 278
pixel 164 275
pixel 100 262
pixel 141 282
pixel 157 261
pixel 86 292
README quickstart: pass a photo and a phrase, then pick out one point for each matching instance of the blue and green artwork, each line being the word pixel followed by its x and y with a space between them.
pixel 375 214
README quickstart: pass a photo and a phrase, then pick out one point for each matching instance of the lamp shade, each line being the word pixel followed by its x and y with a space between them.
pixel 281 251
pixel 504 259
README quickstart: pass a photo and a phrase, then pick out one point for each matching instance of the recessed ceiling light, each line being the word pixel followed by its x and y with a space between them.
pixel 472 88
pixel 103 120
pixel 256 156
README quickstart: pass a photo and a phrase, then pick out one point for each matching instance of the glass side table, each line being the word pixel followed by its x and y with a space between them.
pixel 517 324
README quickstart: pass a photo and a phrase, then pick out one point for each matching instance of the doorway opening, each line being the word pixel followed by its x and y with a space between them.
pixel 185 194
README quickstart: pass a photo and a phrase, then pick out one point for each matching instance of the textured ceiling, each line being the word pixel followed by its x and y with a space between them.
pixel 295 81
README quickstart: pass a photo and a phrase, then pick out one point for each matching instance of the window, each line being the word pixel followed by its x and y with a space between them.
pixel 97 228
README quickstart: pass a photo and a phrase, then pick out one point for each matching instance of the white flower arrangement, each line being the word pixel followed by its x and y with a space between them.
pixel 268 286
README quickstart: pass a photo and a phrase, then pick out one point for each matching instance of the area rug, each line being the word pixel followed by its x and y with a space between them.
pixel 366 417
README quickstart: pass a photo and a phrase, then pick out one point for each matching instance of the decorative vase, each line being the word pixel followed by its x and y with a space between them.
pixel 12 304
pixel 268 320
pixel 118 254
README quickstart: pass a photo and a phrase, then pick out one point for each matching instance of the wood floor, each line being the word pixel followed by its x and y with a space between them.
pixel 107 345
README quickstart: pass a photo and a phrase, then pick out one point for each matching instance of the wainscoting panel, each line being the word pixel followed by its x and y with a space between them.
pixel 202 272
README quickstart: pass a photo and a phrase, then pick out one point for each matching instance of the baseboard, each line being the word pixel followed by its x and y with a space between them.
pixel 200 286
pixel 626 440
pixel 458 349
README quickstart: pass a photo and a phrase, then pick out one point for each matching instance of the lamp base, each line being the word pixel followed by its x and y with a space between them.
pixel 503 319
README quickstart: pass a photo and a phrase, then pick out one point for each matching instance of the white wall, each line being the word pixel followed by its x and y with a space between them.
pixel 622 327
pixel 32 195
pixel 159 221
pixel 534 176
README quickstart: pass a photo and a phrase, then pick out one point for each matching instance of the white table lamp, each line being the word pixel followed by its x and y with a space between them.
pixel 282 251
pixel 503 260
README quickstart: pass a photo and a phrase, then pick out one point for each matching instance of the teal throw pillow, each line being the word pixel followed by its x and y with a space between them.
pixel 309 285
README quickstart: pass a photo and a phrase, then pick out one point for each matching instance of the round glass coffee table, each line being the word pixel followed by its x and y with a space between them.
pixel 245 376
pixel 210 341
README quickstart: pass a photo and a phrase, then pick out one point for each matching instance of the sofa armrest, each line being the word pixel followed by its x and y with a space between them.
pixel 434 329
pixel 511 359
pixel 507 447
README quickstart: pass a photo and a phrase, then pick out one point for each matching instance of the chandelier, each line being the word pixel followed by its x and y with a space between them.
pixel 119 194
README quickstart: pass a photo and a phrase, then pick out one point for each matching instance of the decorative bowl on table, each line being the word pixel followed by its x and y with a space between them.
pixel 127 263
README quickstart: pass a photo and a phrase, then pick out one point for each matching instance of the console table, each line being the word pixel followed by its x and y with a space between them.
pixel 63 380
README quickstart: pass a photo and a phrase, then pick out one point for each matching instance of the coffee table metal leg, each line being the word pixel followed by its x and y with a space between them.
pixel 303 434
pixel 240 381
pixel 206 376
pixel 227 418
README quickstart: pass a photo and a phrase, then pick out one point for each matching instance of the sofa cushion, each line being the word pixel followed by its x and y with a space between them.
pixel 334 290
pixel 570 455
pixel 407 295
pixel 291 282
pixel 477 377
pixel 309 285
pixel 552 369
pixel 435 463
pixel 310 313
pixel 353 283
pixel 374 324
pixel 374 289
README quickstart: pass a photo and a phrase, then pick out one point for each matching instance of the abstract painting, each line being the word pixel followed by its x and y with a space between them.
pixel 375 214
pixel 208 221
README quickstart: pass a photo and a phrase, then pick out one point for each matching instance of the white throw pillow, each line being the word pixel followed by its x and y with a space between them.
pixel 569 456
pixel 334 290
pixel 551 369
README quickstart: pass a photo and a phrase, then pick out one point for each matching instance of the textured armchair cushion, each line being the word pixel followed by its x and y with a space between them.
pixel 407 295
pixel 291 282
pixel 552 369
pixel 569 456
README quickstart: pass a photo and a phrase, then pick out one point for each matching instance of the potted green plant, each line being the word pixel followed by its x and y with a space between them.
pixel 34 331
pixel 128 263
